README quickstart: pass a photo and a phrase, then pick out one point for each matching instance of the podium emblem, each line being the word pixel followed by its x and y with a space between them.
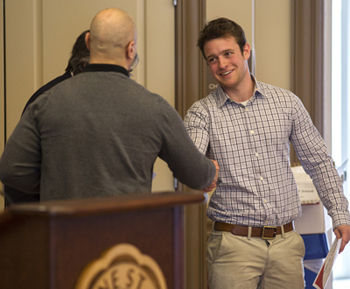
pixel 124 267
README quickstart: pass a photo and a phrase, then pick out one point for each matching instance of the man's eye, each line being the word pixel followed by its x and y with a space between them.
pixel 227 54
pixel 211 59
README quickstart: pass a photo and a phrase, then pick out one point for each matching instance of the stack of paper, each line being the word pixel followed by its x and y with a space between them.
pixel 307 191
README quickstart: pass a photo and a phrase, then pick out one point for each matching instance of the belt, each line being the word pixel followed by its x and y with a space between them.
pixel 266 232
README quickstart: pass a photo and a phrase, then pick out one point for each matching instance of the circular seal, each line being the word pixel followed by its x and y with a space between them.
pixel 124 267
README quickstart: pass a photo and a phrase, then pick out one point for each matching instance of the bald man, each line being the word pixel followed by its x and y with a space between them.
pixel 99 133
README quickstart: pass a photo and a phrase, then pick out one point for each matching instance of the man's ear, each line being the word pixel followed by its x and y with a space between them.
pixel 246 51
pixel 131 50
pixel 87 40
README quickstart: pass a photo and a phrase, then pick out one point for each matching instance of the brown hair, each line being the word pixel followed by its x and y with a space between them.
pixel 221 28
pixel 80 55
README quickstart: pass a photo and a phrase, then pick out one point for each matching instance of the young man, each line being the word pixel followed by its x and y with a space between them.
pixel 246 126
pixel 99 133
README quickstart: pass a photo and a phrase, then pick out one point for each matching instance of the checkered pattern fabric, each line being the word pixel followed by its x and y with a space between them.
pixel 251 142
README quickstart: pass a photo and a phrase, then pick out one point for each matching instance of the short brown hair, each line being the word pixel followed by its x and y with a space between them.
pixel 221 28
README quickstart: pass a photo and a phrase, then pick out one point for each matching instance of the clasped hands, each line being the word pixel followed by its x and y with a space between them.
pixel 213 184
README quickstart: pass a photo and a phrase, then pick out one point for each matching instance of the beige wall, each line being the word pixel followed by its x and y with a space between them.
pixel 268 28
pixel 39 41
pixel 273 42
pixel 240 11
pixel 40 46
pixel 39 38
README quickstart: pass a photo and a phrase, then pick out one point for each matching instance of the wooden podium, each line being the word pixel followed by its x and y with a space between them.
pixel 52 245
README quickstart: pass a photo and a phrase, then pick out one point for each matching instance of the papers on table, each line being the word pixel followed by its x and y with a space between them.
pixel 326 269
pixel 306 189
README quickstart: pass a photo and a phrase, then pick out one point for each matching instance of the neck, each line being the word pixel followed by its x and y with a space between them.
pixel 243 91
pixel 107 60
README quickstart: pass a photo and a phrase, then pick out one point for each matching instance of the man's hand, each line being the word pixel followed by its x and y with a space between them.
pixel 342 231
pixel 213 184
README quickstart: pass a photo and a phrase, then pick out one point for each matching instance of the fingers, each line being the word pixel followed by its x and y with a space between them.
pixel 337 233
pixel 217 171
pixel 216 164
pixel 210 188
pixel 213 184
pixel 342 232
pixel 343 244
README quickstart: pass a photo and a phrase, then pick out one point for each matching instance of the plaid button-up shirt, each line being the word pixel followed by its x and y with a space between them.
pixel 256 186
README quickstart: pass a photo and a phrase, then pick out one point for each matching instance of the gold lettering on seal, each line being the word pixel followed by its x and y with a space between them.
pixel 122 267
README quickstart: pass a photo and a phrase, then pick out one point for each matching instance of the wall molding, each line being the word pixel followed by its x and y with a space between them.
pixel 308 80
pixel 309 58
pixel 190 84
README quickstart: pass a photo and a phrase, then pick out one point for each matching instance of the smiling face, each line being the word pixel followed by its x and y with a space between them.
pixel 227 63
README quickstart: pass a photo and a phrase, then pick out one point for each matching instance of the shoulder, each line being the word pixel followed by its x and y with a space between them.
pixel 152 104
pixel 278 95
pixel 273 91
pixel 206 104
pixel 46 87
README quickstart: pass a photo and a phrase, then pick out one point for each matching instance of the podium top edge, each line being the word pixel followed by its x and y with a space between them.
pixel 105 205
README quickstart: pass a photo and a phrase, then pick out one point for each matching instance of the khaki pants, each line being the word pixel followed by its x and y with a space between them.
pixel 236 262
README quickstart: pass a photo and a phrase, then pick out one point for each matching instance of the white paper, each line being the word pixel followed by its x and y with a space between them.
pixel 313 265
pixel 307 191
pixel 326 269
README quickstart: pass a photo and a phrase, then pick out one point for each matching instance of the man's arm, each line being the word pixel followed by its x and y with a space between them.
pixel 21 160
pixel 316 161
pixel 197 123
pixel 197 126
pixel 188 165
pixel 214 183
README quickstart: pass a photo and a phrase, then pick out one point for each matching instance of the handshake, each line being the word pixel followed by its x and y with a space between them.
pixel 213 184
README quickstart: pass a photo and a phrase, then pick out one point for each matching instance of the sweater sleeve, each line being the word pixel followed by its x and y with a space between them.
pixel 20 161
pixel 188 165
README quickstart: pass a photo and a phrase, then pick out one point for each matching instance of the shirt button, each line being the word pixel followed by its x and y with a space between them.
pixel 266 222
pixel 257 154
pixel 246 109
pixel 265 202
pixel 251 132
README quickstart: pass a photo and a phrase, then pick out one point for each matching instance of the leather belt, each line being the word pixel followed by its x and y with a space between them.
pixel 266 232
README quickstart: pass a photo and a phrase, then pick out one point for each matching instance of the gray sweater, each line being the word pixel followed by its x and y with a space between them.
pixel 99 134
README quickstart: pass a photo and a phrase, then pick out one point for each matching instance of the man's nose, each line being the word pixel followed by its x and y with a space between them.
pixel 222 62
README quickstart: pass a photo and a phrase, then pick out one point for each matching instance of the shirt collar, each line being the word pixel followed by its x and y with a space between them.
pixel 222 97
pixel 105 67
pixel 258 89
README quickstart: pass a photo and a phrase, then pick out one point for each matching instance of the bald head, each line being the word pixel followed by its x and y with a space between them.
pixel 112 38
